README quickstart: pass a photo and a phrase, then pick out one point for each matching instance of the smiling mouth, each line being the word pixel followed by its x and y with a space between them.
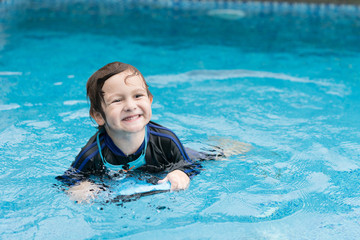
pixel 132 118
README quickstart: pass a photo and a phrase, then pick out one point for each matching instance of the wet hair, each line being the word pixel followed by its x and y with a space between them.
pixel 96 82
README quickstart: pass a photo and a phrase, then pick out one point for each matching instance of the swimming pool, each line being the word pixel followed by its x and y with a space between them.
pixel 283 78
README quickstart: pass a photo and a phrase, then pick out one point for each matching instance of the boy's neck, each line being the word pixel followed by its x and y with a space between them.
pixel 128 143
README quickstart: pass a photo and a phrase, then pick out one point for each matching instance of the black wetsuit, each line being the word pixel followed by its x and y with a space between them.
pixel 164 153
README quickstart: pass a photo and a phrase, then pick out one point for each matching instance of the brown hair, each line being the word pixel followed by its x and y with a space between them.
pixel 96 82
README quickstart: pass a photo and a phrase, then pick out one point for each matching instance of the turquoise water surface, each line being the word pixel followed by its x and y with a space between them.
pixel 283 78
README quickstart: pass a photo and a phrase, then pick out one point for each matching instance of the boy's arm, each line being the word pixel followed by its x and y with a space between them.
pixel 182 167
pixel 80 189
pixel 71 177
pixel 84 191
pixel 181 161
pixel 76 177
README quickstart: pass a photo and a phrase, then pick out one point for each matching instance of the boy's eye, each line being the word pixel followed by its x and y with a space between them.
pixel 139 95
pixel 116 100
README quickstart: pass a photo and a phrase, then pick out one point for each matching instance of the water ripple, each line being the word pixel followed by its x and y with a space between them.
pixel 330 87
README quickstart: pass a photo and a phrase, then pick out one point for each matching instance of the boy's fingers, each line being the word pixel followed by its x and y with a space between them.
pixel 163 180
pixel 174 187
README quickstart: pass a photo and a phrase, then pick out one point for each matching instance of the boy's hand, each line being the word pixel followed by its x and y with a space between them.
pixel 83 192
pixel 178 180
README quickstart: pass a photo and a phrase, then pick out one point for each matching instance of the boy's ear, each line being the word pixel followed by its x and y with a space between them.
pixel 151 99
pixel 98 118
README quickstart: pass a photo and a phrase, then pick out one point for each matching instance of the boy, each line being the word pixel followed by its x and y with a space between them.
pixel 120 103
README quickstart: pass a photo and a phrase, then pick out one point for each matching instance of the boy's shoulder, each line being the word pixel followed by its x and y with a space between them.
pixel 160 135
pixel 161 131
pixel 155 127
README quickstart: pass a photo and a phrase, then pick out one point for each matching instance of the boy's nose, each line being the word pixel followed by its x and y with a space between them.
pixel 130 105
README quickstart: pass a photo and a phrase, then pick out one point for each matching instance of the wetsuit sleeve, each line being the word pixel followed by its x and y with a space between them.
pixel 83 166
pixel 181 161
pixel 168 153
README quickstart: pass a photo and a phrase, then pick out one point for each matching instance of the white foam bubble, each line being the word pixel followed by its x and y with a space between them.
pixel 81 113
pixel 38 124
pixel 74 102
pixel 228 14
pixel 318 182
pixel 9 106
pixel 10 73
pixel 332 157
pixel 12 135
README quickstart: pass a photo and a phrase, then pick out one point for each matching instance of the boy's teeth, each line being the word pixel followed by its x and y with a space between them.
pixel 131 118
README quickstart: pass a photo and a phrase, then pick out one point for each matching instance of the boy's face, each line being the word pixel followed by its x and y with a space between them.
pixel 127 106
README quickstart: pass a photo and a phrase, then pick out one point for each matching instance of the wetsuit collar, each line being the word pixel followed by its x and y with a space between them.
pixel 133 164
pixel 117 151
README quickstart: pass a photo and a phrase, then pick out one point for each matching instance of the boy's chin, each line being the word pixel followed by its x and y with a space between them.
pixel 134 129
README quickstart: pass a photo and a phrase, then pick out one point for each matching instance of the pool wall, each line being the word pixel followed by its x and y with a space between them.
pixel 317 7
pixel 291 2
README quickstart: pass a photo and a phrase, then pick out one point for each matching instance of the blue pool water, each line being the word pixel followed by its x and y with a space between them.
pixel 283 78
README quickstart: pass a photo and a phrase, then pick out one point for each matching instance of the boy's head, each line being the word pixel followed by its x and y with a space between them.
pixel 96 82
